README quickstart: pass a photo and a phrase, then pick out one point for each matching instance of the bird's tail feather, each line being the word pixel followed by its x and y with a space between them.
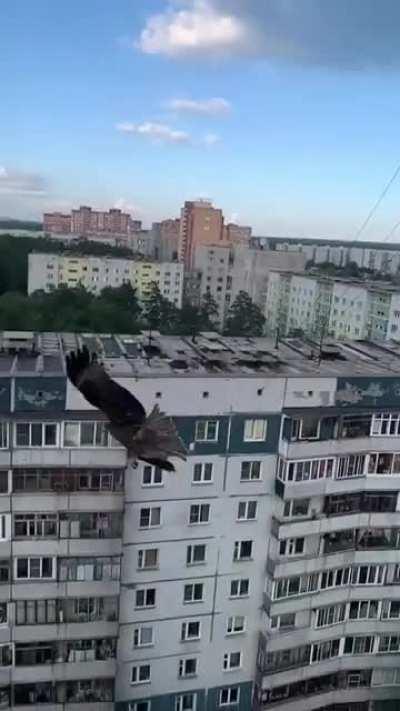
pixel 158 439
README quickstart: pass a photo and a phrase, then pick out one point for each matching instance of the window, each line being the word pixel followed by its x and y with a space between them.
pixel 206 431
pixel 295 508
pixel 35 525
pixel 363 610
pixel 139 706
pixel 202 473
pixel 324 650
pixel 358 645
pixel 386 424
pixel 36 434
pixel 239 587
pixel 190 631
pixel 295 585
pixel 193 592
pixel 34 568
pixel 152 476
pixel 3 435
pixel 235 624
pixel 140 674
pixel 146 597
pixel 229 695
pixel 242 550
pixel 351 466
pixel 247 510
pixel 185 702
pixel 143 636
pixel 232 660
pixel 284 621
pixel 291 546
pixel 196 554
pixel 335 578
pixel 368 575
pixel 255 430
pixel 150 517
pixel 331 615
pixel 384 463
pixel 187 667
pixel 199 513
pixel 147 558
pixel 88 569
pixel 390 609
pixel 88 434
pixel 308 470
pixel 250 471
pixel 309 428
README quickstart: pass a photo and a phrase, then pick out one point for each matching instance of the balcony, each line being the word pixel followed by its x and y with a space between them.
pixel 361 540
pixel 99 692
pixel 53 661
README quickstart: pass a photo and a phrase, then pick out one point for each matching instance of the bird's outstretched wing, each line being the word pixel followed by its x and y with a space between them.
pixel 120 406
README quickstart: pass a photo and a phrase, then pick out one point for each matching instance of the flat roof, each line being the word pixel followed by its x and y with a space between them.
pixel 208 355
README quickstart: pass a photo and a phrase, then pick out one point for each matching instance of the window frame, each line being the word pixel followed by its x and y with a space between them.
pixel 137 668
pixel 206 423
pixel 185 626
pixel 154 473
pixel 239 583
pixel 232 629
pixel 145 592
pixel 137 642
pixel 203 467
pixel 199 509
pixel 190 554
pixel 227 661
pixel 30 424
pixel 254 423
pixel 193 599
pixel 229 701
pixel 247 504
pixel 141 558
pixel 150 525
pixel 251 462
pixel 238 552
pixel 182 673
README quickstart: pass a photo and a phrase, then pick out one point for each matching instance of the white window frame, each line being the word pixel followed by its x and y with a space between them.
pixel 137 636
pixel 139 705
pixel 4 435
pixel 180 700
pixel 192 587
pixel 190 554
pixel 290 547
pixel 204 468
pixel 143 553
pixel 185 637
pixel 245 506
pixel 227 661
pixel 196 511
pixel 275 622
pixel 30 560
pixel 329 649
pixel 151 509
pixel 393 422
pixel 182 673
pixel 145 606
pixel 314 437
pixel 362 603
pixel 251 463
pixel 331 615
pixel 255 429
pixel 229 701
pixel 236 624
pixel 98 426
pixel 206 424
pixel 291 503
pixel 35 525
pixel 156 476
pixel 237 550
pixel 43 425
pixel 136 670
pixel 238 582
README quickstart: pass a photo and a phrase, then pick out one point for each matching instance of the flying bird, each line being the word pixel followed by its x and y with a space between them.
pixel 152 439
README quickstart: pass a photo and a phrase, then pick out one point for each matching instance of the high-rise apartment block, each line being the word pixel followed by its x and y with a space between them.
pixel 263 574
pixel 49 271
pixel 86 221
pixel 200 224
pixel 166 239
pixel 343 308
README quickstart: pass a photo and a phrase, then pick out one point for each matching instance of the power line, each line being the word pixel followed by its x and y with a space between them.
pixel 377 203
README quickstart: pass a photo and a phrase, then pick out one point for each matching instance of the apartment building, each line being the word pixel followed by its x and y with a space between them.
pixel 341 308
pixel 200 224
pixel 49 271
pixel 224 270
pixel 381 257
pixel 262 574
pixel 86 221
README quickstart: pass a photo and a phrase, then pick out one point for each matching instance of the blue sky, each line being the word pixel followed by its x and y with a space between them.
pixel 285 112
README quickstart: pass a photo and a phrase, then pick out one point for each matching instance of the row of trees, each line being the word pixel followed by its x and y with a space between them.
pixel 119 311
pixel 14 253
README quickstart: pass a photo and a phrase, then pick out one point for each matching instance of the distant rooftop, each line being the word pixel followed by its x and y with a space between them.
pixel 325 242
pixel 372 285
pixel 210 355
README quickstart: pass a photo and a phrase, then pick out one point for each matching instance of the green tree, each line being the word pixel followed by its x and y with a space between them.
pixel 159 313
pixel 244 317
pixel 209 312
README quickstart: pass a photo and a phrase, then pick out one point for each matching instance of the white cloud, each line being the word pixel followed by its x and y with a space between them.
pixel 199 29
pixel 15 182
pixel 210 139
pixel 156 132
pixel 206 107
pixel 126 206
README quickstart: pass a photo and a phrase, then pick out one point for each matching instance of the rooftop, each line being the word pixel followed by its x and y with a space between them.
pixel 326 242
pixel 366 283
pixel 209 355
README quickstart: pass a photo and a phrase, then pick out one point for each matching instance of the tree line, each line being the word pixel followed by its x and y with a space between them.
pixel 118 310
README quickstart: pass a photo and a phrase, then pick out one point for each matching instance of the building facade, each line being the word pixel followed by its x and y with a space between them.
pixel 86 221
pixel 200 224
pixel 321 306
pixel 262 574
pixel 49 271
